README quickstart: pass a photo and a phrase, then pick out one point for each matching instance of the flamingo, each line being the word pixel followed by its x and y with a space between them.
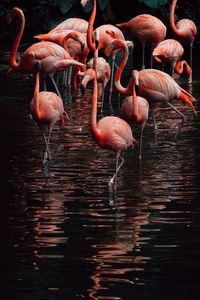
pixel 38 51
pixel 100 38
pixel 103 75
pixel 74 43
pixel 185 29
pixel 136 109
pixel 46 109
pixel 77 24
pixel 170 52
pixel 111 132
pixel 146 29
pixel 154 85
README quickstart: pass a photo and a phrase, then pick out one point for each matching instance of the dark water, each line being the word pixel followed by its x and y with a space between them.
pixel 60 239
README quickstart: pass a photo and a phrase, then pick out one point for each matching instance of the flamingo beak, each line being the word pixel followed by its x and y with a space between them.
pixel 82 87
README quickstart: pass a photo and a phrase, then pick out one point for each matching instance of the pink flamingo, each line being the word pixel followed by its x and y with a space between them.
pixel 146 29
pixel 170 52
pixel 185 30
pixel 100 38
pixel 46 109
pixel 134 108
pixel 103 75
pixel 74 43
pixel 110 132
pixel 77 24
pixel 154 85
pixel 38 51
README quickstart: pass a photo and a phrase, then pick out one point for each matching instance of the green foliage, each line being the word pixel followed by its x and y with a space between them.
pixel 101 3
pixel 154 3
pixel 64 5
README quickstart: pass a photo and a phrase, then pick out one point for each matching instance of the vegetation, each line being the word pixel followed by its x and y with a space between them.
pixel 42 15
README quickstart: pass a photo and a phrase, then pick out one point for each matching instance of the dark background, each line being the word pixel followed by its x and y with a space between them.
pixel 43 15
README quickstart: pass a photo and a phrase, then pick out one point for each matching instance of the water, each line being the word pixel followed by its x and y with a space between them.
pixel 60 238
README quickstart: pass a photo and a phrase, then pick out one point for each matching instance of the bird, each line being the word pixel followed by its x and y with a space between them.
pixel 100 38
pixel 170 51
pixel 110 132
pixel 38 51
pixel 154 85
pixel 103 72
pixel 77 24
pixel 46 109
pixel 74 43
pixel 135 109
pixel 184 30
pixel 146 29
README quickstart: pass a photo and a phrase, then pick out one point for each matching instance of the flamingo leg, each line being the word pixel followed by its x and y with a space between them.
pixel 143 50
pixel 155 127
pixel 47 155
pixel 141 136
pixel 102 100
pixel 55 85
pixel 112 186
pixel 180 113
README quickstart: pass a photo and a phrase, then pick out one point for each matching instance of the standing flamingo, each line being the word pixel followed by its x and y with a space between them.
pixel 46 109
pixel 154 85
pixel 103 75
pixel 38 51
pixel 185 29
pixel 110 133
pixel 170 52
pixel 146 29
pixel 100 38
pixel 77 24
pixel 136 109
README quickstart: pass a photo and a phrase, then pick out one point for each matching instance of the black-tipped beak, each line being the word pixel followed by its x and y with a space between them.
pixel 82 90
pixel 82 47
pixel 137 89
pixel 96 44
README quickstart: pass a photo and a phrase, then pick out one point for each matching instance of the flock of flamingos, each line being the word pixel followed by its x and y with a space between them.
pixel 69 44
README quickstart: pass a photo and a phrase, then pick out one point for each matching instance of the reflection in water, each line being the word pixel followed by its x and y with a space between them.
pixel 60 237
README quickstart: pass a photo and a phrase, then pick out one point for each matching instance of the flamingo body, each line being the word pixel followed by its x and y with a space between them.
pixel 77 24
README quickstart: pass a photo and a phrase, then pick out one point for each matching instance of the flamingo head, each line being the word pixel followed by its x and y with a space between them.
pixel 89 75
pixel 115 45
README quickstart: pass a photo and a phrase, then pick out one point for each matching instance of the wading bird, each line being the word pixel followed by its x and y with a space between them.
pixel 154 85
pixel 109 132
pixel 46 109
pixel 170 52
pixel 184 30
pixel 146 29
pixel 38 51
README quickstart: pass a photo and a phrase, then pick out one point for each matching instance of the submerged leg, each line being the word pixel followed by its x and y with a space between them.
pixel 47 155
pixel 155 127
pixel 180 113
pixel 54 83
pixel 112 186
pixel 143 50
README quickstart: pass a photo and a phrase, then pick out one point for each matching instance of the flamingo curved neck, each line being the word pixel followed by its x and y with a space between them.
pixel 94 128
pixel 35 101
pixel 134 103
pixel 183 65
pixel 123 90
pixel 13 63
pixel 90 43
pixel 172 22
